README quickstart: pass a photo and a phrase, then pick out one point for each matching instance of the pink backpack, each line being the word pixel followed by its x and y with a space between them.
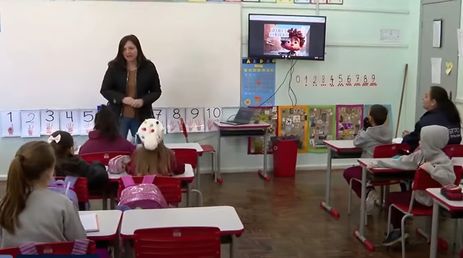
pixel 145 195
pixel 118 164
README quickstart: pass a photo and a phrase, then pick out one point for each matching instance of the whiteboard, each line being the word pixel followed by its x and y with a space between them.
pixel 54 54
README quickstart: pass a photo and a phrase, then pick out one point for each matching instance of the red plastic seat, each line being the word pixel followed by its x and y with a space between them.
pixel 453 150
pixel 405 202
pixel 180 242
pixel 190 156
pixel 56 248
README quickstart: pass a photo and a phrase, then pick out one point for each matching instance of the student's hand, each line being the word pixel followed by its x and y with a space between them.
pixel 128 101
pixel 405 132
pixel 137 103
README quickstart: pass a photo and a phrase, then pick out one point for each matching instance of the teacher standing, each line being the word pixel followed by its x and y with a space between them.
pixel 131 84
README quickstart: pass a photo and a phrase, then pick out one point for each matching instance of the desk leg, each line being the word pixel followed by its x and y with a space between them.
pixel 263 173
pixel 232 247
pixel 435 225
pixel 326 204
pixel 360 234
pixel 219 139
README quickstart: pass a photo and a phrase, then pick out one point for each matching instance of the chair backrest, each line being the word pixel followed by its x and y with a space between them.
pixel 80 188
pixel 102 157
pixel 58 248
pixel 169 186
pixel 186 156
pixel 453 150
pixel 390 150
pixel 192 242
pixel 423 180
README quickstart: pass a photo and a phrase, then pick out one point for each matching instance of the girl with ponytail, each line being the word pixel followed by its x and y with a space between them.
pixel 29 212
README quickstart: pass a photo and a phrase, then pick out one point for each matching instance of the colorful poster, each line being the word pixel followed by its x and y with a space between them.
pixel 263 115
pixel 258 82
pixel 322 126
pixel 292 121
pixel 349 120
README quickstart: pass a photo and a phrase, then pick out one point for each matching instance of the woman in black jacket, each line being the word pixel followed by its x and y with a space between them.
pixel 131 84
pixel 440 110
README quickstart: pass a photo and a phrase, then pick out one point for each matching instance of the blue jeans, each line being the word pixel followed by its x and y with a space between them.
pixel 126 124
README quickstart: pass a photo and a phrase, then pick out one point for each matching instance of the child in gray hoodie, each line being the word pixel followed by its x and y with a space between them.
pixel 429 157
pixel 375 133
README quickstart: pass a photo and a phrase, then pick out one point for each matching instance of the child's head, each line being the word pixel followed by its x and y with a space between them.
pixel 62 143
pixel 154 156
pixel 377 115
pixel 106 123
pixel 32 166
pixel 433 138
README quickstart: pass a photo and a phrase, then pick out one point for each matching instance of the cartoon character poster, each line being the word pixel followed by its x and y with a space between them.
pixel 286 40
pixel 263 115
pixel 322 121
pixel 349 120
pixel 292 121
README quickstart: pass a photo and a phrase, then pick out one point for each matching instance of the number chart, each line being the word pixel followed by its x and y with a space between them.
pixel 258 82
pixel 49 121
pixel 211 115
pixel 11 123
pixel 30 123
pixel 336 80
pixel 173 119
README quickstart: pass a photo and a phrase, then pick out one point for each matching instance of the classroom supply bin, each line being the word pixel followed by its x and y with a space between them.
pixel 284 156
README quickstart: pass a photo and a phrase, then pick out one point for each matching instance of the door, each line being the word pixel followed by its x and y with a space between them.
pixel 447 11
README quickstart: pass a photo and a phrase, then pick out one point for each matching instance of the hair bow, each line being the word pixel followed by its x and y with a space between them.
pixel 56 139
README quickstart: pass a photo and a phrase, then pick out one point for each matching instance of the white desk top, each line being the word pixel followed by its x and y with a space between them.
pixel 452 206
pixel 364 162
pixel 341 145
pixel 186 145
pixel 108 223
pixel 223 217
pixel 187 175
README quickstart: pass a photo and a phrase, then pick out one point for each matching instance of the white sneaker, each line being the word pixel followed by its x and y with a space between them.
pixel 370 201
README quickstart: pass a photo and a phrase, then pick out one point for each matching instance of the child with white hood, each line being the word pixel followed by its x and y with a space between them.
pixel 152 157
pixel 429 157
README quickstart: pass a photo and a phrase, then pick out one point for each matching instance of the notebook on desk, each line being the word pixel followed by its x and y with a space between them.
pixel 243 117
pixel 90 222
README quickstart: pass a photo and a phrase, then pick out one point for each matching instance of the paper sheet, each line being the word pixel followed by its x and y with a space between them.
pixel 90 222
pixel 460 42
pixel 436 64
pixel 436 33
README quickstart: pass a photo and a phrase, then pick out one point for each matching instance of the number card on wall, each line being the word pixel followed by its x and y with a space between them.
pixel 212 114
pixel 173 119
pixel 11 123
pixel 87 121
pixel 30 123
pixel 195 120
pixel 69 121
pixel 161 115
pixel 49 121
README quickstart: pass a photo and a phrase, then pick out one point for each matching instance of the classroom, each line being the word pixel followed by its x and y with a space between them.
pixel 276 128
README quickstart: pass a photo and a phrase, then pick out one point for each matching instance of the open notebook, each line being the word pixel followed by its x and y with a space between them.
pixel 90 222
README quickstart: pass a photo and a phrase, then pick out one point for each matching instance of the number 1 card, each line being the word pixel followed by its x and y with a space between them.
pixel 11 124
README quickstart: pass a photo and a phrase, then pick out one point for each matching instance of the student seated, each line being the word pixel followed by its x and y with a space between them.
pixel 430 157
pixel 375 133
pixel 105 136
pixel 68 164
pixel 152 156
pixel 29 211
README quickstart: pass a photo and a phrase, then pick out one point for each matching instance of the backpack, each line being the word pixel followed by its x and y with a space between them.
pixel 118 164
pixel 145 195
pixel 65 187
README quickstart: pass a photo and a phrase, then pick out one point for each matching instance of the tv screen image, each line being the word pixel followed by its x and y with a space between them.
pixel 286 36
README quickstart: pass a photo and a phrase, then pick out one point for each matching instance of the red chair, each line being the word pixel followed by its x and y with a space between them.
pixel 381 151
pixel 102 157
pixel 207 148
pixel 190 156
pixel 81 190
pixel 169 187
pixel 57 248
pixel 453 150
pixel 405 201
pixel 181 242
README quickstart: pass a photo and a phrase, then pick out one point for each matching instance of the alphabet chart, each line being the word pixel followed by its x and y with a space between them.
pixel 258 82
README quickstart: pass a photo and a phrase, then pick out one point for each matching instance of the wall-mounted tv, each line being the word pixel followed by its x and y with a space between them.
pixel 286 36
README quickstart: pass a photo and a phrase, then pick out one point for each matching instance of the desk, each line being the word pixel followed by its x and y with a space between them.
pixel 186 145
pixel 453 207
pixel 341 148
pixel 246 130
pixel 390 173
pixel 108 223
pixel 223 217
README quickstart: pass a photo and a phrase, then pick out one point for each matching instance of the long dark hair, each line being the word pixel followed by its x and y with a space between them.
pixel 441 97
pixel 157 161
pixel 106 123
pixel 31 161
pixel 67 164
pixel 120 60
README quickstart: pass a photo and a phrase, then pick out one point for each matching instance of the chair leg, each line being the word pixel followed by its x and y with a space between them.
pixel 389 219
pixel 200 197
pixel 402 232
pixel 349 197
